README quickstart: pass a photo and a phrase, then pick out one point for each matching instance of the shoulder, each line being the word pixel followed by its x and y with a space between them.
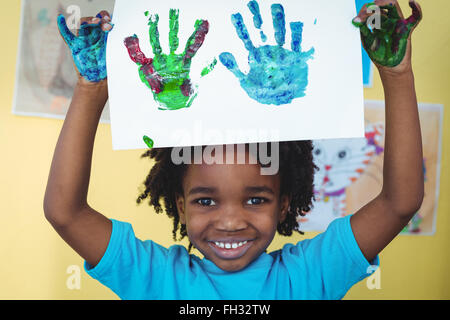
pixel 338 230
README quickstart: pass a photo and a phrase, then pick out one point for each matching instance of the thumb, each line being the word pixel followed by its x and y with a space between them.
pixel 67 35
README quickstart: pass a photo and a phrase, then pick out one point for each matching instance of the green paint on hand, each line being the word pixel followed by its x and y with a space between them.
pixel 149 142
pixel 387 45
pixel 209 68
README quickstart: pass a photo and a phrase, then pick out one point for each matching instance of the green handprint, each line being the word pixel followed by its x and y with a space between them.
pixel 387 45
pixel 167 75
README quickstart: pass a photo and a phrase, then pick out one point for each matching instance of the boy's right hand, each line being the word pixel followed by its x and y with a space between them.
pixel 88 47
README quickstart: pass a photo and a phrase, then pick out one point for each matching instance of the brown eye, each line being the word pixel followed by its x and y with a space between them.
pixel 256 201
pixel 205 202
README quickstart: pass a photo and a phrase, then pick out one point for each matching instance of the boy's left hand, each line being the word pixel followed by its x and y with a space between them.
pixel 88 47
pixel 389 47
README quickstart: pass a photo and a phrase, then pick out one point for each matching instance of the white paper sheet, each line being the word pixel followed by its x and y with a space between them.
pixel 223 113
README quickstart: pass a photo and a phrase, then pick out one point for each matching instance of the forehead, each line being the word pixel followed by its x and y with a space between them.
pixel 229 177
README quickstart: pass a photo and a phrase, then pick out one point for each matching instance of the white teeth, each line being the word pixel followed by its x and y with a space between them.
pixel 228 245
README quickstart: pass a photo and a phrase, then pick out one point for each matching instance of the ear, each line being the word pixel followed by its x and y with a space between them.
pixel 181 208
pixel 284 206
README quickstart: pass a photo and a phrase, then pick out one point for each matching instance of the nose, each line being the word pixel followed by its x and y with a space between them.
pixel 231 219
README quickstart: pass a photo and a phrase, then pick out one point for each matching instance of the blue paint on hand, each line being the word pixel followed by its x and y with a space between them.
pixel 88 49
pixel 277 76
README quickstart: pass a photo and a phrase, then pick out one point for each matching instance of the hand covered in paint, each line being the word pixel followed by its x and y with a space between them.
pixel 89 46
pixel 167 75
pixel 276 76
pixel 390 45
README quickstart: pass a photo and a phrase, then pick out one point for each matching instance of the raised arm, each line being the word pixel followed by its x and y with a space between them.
pixel 65 203
pixel 381 220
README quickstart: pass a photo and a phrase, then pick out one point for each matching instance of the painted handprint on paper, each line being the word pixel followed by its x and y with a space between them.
pixel 167 75
pixel 277 76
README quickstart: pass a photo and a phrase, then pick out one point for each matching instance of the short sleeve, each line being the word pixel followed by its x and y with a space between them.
pixel 332 261
pixel 130 267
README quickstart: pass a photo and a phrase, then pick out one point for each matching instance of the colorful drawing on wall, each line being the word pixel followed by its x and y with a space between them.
pixel 167 75
pixel 351 171
pixel 342 162
pixel 257 77
pixel 45 73
pixel 277 75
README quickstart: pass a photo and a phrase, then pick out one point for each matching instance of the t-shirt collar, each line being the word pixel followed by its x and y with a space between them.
pixel 263 261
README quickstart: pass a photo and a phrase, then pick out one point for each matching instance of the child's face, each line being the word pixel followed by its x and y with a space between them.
pixel 231 211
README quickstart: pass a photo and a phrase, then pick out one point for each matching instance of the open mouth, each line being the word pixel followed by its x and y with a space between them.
pixel 230 250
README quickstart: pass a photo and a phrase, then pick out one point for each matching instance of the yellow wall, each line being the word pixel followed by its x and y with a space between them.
pixel 34 259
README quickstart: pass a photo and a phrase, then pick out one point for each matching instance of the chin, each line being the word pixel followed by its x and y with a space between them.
pixel 231 266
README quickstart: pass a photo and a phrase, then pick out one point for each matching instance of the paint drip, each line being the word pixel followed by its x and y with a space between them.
pixel 149 142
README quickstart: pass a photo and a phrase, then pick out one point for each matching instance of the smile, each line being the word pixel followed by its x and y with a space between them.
pixel 230 250
pixel 228 245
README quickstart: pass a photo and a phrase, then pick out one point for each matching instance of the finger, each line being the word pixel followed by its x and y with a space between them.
pixel 153 79
pixel 254 9
pixel 242 32
pixel 229 62
pixel 94 20
pixel 362 16
pixel 132 45
pixel 297 34
pixel 416 15
pixel 174 42
pixel 279 23
pixel 154 35
pixel 196 40
pixel 86 20
pixel 392 6
pixel 104 15
pixel 257 19
pixel 360 22
pixel 67 35
pixel 106 26
pixel 105 23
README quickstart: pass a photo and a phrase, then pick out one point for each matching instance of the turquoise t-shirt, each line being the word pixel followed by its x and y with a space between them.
pixel 324 267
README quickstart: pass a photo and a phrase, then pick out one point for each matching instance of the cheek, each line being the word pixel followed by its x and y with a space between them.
pixel 266 224
pixel 196 225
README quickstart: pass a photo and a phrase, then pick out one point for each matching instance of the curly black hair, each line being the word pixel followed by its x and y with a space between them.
pixel 296 169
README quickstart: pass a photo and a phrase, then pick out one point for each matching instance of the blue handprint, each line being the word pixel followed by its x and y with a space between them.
pixel 88 48
pixel 277 76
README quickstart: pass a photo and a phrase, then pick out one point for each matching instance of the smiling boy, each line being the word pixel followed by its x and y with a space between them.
pixel 231 212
